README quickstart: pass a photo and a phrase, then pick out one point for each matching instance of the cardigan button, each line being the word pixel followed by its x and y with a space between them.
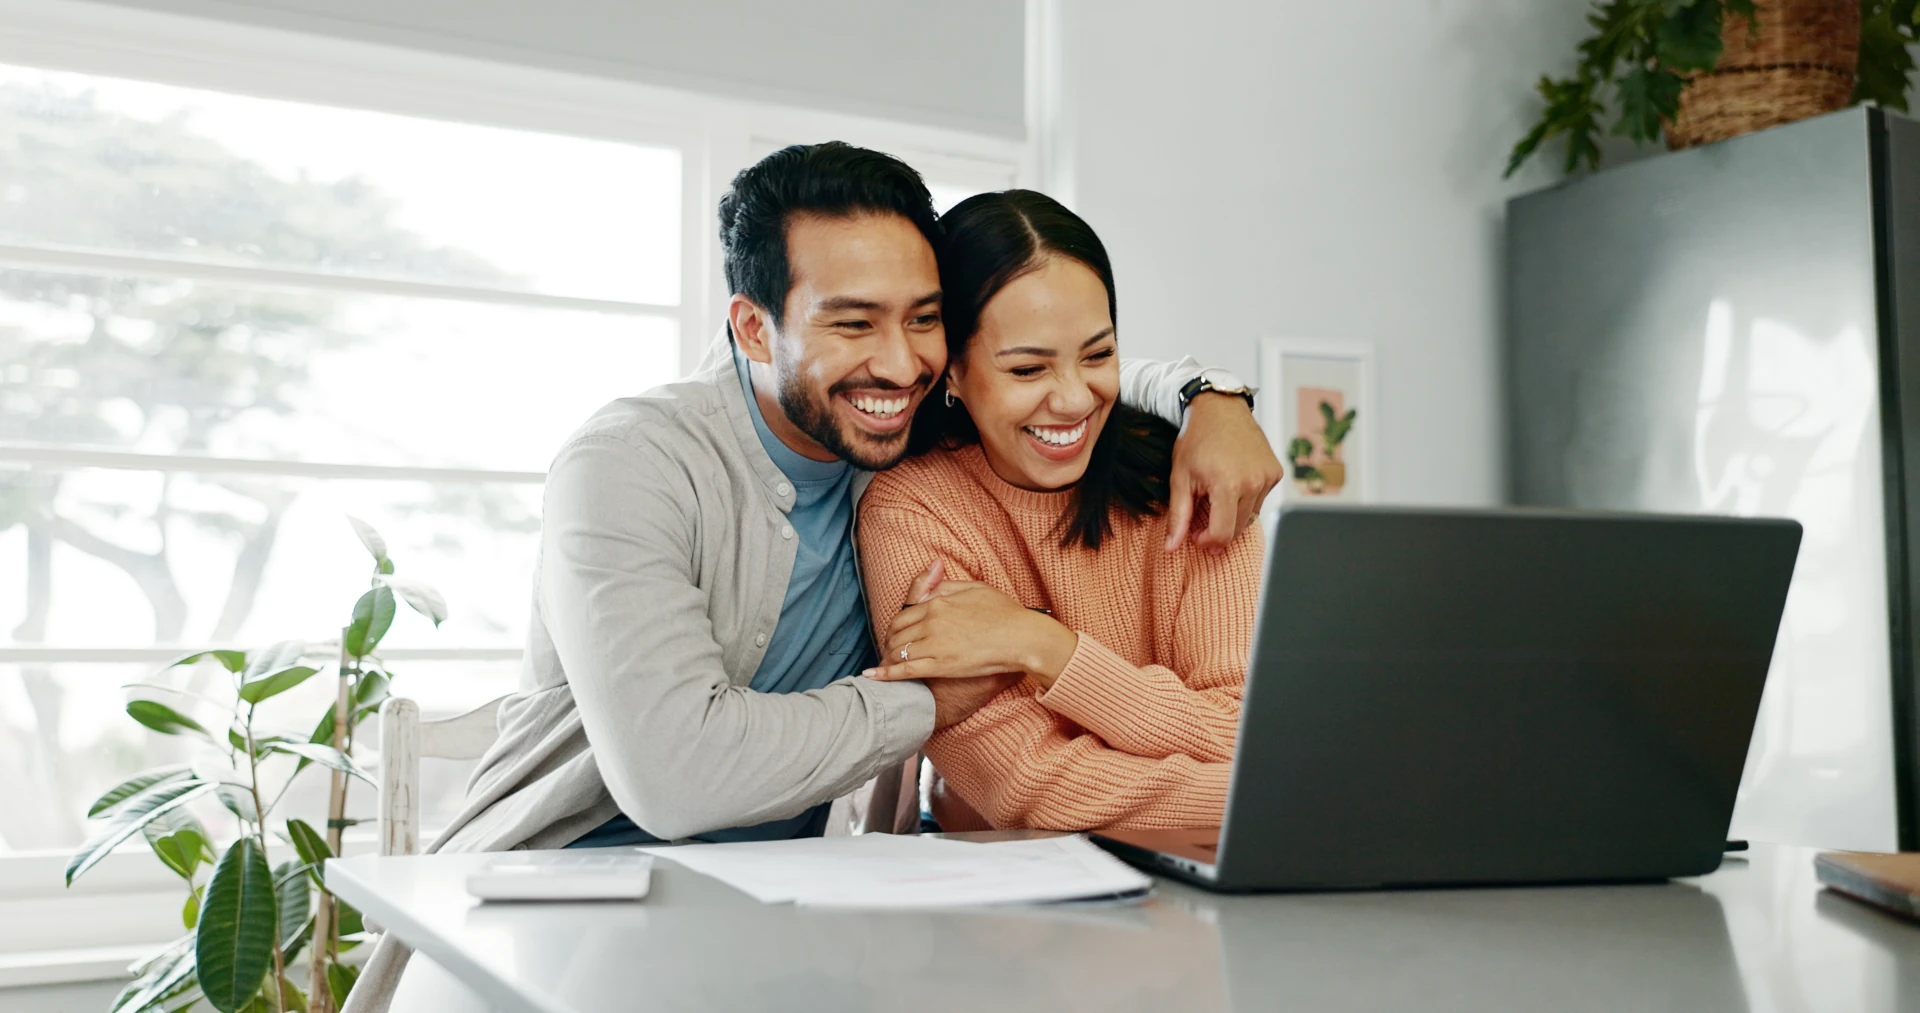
pixel 759 640
pixel 786 531
pixel 783 489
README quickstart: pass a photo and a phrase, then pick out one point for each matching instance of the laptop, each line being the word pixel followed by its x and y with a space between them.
pixel 1491 697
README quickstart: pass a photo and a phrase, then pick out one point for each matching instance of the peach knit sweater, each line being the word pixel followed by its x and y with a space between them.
pixel 1139 730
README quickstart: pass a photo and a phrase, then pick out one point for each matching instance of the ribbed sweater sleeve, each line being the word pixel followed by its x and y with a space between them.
pixel 1192 709
pixel 1020 766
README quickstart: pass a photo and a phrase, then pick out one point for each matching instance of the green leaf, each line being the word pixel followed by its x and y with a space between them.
pixel 233 948
pixel 376 545
pixel 1337 426
pixel 164 719
pixel 347 917
pixel 307 843
pixel 1649 100
pixel 292 996
pixel 174 821
pixel 1620 34
pixel 386 566
pixel 326 756
pixel 160 978
pixel 1571 112
pixel 424 597
pixel 275 683
pixel 232 661
pixel 190 914
pixel 238 799
pixel 1886 62
pixel 283 655
pixel 340 979
pixel 151 688
pixel 295 999
pixel 323 729
pixel 1688 38
pixel 193 843
pixel 127 820
pixel 180 856
pixel 294 896
pixel 1525 147
pixel 322 734
pixel 135 785
pixel 421 595
pixel 372 615
pixel 370 692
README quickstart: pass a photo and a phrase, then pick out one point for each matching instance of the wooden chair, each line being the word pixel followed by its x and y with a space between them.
pixel 404 739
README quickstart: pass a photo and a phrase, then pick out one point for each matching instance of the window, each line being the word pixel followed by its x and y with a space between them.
pixel 228 322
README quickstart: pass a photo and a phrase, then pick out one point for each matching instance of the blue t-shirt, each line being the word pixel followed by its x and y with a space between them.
pixel 822 633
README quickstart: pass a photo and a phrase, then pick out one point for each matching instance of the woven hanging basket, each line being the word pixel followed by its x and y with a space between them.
pixel 1797 61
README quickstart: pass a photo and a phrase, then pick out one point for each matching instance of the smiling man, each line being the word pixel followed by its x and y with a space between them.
pixel 697 608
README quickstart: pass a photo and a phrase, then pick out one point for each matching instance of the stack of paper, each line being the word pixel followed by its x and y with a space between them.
pixel 905 871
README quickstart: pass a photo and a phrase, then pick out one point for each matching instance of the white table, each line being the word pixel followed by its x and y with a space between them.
pixel 1759 934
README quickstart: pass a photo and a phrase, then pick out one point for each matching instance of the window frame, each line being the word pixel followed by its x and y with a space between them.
pixel 715 137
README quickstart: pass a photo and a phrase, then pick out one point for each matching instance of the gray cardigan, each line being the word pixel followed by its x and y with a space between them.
pixel 664 560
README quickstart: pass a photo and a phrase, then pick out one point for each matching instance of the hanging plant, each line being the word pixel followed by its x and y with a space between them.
pixel 1662 68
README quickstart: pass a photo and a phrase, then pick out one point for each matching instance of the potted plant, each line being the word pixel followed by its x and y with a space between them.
pixel 1300 456
pixel 1333 470
pixel 1319 474
pixel 248 921
pixel 1697 71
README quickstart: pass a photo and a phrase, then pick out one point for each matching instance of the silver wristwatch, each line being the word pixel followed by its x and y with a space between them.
pixel 1214 381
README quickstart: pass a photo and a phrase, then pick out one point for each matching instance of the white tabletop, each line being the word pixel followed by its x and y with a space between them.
pixel 1759 934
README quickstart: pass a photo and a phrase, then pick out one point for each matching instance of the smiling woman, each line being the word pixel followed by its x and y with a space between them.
pixel 1035 369
pixel 1025 539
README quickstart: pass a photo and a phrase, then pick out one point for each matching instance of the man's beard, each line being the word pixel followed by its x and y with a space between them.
pixel 814 416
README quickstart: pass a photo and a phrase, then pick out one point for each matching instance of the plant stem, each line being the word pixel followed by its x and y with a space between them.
pixel 282 793
pixel 260 832
pixel 326 925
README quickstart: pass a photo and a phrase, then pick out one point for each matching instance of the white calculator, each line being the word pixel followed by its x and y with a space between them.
pixel 583 875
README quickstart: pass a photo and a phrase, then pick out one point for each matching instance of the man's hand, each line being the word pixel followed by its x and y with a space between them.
pixel 1223 456
pixel 955 700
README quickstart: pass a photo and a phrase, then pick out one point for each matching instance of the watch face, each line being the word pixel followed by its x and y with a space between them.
pixel 1226 383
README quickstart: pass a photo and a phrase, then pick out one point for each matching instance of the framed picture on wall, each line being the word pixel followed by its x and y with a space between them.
pixel 1316 404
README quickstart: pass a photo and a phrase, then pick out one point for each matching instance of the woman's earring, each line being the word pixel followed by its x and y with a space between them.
pixel 949 397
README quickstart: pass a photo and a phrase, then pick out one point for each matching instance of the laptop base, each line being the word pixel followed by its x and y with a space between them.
pixel 1186 855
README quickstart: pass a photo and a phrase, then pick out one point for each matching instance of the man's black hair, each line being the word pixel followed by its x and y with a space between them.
pixel 833 178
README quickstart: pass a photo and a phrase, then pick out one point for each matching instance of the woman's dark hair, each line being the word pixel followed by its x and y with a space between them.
pixel 990 240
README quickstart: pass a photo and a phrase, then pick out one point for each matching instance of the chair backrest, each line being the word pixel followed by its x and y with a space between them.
pixel 404 739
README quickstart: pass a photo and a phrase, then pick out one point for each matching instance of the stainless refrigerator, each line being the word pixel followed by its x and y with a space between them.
pixel 1735 329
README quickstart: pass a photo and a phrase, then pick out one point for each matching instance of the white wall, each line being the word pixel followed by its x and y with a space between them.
pixel 1316 170
pixel 943 63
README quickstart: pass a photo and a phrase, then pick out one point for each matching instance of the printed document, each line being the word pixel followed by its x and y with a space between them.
pixel 910 871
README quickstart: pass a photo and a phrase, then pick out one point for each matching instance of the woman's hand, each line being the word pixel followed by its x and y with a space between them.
pixel 965 629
